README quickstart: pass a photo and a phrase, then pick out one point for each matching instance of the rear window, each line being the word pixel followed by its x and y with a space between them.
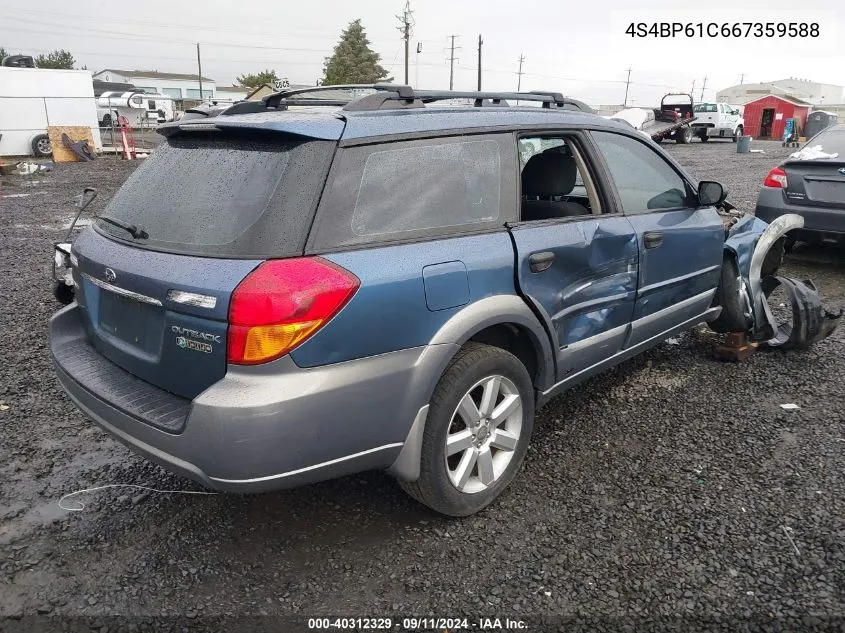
pixel 404 190
pixel 831 140
pixel 223 195
pixel 705 107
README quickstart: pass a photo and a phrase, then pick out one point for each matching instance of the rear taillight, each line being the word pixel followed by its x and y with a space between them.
pixel 282 303
pixel 775 178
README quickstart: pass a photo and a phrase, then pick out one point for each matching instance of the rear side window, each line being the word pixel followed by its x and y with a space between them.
pixel 223 195
pixel 411 189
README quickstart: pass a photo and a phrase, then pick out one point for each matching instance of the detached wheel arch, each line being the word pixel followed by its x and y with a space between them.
pixel 41 146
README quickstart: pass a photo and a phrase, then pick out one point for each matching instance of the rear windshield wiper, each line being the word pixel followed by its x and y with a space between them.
pixel 134 231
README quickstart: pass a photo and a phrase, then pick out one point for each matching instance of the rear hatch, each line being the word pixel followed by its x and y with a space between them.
pixel 817 176
pixel 209 207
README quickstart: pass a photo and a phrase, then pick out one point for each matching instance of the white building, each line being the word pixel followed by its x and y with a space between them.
pixel 180 86
pixel 230 94
pixel 810 91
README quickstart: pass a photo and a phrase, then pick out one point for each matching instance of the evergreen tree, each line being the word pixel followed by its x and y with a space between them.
pixel 353 61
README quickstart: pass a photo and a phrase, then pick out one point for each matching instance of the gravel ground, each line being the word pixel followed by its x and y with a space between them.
pixel 673 489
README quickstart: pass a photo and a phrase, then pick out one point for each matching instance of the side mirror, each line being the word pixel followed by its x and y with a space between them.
pixel 711 193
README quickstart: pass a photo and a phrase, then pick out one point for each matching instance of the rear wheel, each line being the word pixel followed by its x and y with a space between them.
pixel 477 431
pixel 684 136
pixel 737 133
pixel 704 138
pixel 106 120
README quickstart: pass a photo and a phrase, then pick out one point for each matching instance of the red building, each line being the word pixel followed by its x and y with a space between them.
pixel 766 117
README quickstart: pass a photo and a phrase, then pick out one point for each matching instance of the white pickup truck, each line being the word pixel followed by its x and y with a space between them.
pixel 717 120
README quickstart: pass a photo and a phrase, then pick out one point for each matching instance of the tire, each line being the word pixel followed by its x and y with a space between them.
pixel 704 138
pixel 477 370
pixel 732 318
pixel 63 293
pixel 106 121
pixel 737 133
pixel 684 136
pixel 41 147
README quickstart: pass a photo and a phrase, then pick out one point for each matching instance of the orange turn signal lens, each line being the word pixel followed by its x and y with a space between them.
pixel 267 342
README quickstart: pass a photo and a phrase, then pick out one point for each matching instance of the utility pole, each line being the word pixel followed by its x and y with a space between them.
pixel 627 83
pixel 480 42
pixel 703 86
pixel 405 28
pixel 519 74
pixel 741 78
pixel 452 62
pixel 692 91
pixel 417 66
pixel 199 69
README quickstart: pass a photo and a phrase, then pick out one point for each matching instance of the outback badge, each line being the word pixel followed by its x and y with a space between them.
pixel 197 346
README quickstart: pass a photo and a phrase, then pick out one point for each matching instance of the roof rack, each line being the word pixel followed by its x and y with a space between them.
pixel 386 96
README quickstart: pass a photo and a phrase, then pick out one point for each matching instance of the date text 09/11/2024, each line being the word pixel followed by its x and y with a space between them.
pixel 418 624
pixel 724 29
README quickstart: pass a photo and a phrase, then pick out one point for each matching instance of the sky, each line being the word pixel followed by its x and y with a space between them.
pixel 577 48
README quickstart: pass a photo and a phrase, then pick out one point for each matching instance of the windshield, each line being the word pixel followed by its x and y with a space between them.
pixel 705 107
pixel 209 194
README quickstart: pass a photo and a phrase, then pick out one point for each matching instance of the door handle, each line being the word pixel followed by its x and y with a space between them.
pixel 652 239
pixel 538 262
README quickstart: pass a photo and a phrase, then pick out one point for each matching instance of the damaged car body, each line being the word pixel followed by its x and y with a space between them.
pixel 754 252
pixel 389 284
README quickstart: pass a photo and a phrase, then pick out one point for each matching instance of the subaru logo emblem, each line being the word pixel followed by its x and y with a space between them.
pixel 842 170
pixel 110 274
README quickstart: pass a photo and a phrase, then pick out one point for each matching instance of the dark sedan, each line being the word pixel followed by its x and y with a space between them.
pixel 810 183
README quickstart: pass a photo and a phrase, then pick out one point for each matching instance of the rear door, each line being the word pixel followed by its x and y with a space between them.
pixel 579 272
pixel 680 244
pixel 211 206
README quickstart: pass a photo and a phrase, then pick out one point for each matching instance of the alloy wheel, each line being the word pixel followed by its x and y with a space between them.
pixel 483 434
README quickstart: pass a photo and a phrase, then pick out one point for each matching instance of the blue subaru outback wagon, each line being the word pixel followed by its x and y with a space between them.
pixel 301 288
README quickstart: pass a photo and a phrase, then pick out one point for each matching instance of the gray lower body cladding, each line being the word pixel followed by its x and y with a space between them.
pixel 275 425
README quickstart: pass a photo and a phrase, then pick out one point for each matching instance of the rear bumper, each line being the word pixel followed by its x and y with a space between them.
pixel 771 204
pixel 275 425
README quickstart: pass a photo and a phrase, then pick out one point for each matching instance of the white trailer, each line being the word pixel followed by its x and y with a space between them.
pixel 139 108
pixel 33 98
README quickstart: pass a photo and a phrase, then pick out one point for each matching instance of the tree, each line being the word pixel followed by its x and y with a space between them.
pixel 59 58
pixel 258 79
pixel 5 53
pixel 353 61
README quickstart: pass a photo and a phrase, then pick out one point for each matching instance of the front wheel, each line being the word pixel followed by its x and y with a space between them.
pixel 476 435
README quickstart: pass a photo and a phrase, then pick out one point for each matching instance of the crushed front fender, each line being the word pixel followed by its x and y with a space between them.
pixel 758 249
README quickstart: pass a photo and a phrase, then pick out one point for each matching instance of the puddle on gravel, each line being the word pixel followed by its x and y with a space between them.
pixel 38 516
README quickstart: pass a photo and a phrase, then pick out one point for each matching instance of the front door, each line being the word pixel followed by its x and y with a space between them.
pixel 576 264
pixel 680 244
pixel 766 123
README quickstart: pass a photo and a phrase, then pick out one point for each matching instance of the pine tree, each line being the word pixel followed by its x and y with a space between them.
pixel 353 61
